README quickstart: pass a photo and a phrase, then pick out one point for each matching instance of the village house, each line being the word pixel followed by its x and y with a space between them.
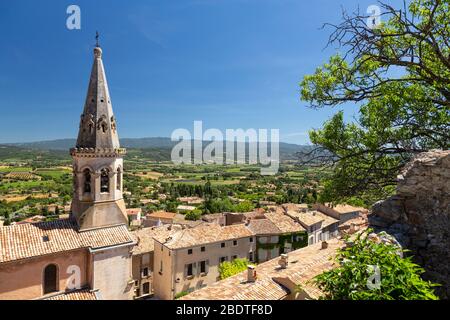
pixel 158 218
pixel 341 212
pixel 191 200
pixel 219 218
pixel 184 208
pixel 143 258
pixel 134 216
pixel 276 233
pixel 148 201
pixel 33 219
pixel 189 259
pixel 89 254
pixel 318 225
pixel 284 278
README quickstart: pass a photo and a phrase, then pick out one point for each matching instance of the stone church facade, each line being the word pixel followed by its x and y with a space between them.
pixel 88 255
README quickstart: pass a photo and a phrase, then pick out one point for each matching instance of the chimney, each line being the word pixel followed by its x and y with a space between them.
pixel 283 262
pixel 324 244
pixel 251 273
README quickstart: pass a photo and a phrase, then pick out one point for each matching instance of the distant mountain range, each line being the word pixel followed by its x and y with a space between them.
pixel 287 150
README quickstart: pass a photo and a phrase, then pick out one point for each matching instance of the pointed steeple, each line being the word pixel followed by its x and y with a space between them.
pixel 98 124
pixel 98 159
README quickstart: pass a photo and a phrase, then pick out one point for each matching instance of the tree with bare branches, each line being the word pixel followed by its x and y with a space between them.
pixel 398 72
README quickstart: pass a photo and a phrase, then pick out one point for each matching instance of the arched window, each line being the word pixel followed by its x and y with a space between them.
pixel 119 178
pixel 104 180
pixel 87 181
pixel 50 278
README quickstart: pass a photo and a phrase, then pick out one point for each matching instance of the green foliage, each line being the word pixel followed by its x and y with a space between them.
pixel 244 206
pixel 230 268
pixel 400 277
pixel 193 215
pixel 399 75
pixel 181 294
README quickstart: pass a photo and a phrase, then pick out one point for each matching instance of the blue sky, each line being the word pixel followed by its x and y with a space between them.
pixel 230 63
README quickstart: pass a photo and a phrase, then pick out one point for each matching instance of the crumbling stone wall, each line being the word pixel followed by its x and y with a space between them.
pixel 418 215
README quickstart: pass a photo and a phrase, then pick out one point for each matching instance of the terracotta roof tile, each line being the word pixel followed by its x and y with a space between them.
pixel 308 218
pixel 145 237
pixel 36 239
pixel 161 215
pixel 204 233
pixel 84 294
pixel 304 264
pixel 263 226
pixel 285 223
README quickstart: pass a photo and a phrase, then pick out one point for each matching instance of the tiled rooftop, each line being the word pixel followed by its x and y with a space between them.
pixel 161 215
pixel 133 211
pixel 36 239
pixel 327 220
pixel 203 234
pixel 304 264
pixel 144 237
pixel 306 218
pixel 84 294
pixel 263 227
pixel 344 208
pixel 285 223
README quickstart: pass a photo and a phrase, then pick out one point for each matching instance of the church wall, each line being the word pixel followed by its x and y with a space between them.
pixel 23 279
pixel 112 273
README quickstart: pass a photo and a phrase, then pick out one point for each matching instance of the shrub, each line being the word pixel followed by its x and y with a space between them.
pixel 193 215
pixel 399 277
pixel 230 268
pixel 181 294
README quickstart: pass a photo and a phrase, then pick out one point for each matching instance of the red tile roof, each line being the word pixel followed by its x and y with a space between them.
pixel 161 215
pixel 84 294
pixel 304 265
pixel 263 227
pixel 36 239
pixel 203 234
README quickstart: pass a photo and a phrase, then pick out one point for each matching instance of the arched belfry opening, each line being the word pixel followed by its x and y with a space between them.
pixel 119 179
pixel 104 180
pixel 87 181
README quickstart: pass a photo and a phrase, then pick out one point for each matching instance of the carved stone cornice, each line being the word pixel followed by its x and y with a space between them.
pixel 98 152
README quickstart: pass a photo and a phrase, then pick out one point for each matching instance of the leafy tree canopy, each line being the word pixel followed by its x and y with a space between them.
pixel 399 74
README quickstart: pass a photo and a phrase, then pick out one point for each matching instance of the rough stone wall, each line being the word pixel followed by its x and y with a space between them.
pixel 418 215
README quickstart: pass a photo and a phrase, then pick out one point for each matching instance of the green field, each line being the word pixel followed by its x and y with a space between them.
pixel 15 169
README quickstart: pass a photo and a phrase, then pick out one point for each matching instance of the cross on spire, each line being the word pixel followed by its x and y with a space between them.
pixel 96 38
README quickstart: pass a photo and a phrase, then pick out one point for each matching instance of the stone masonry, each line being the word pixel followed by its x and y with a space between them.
pixel 418 215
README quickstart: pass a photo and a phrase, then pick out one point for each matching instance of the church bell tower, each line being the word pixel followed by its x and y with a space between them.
pixel 97 158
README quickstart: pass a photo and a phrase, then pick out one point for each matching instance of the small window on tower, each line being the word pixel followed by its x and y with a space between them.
pixel 104 127
pixel 104 180
pixel 87 181
pixel 119 179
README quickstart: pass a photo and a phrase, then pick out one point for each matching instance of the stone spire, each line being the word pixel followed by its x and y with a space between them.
pixel 98 159
pixel 98 124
